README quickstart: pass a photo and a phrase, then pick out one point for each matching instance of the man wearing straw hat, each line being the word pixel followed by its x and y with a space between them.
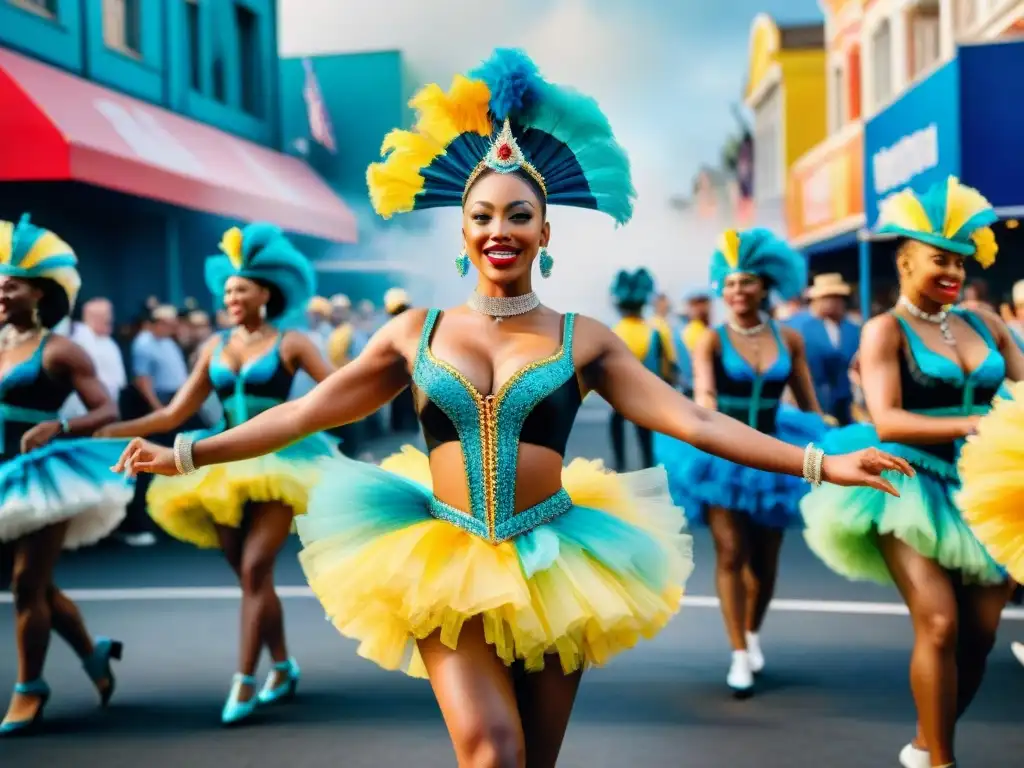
pixel 831 342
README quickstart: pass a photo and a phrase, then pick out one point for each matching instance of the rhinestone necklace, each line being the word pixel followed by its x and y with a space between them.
pixel 940 318
pixel 753 330
pixel 11 337
pixel 500 307
pixel 248 337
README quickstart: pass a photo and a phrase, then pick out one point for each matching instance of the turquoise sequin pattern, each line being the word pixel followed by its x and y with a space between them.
pixel 489 428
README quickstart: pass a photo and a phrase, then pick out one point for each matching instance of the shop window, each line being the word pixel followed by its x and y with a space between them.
pixel 881 65
pixel 194 44
pixel 122 28
pixel 923 30
pixel 219 79
pixel 250 64
pixel 47 8
pixel 965 16
pixel 838 98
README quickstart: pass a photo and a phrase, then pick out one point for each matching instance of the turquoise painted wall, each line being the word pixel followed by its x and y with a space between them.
pixel 365 95
pixel 161 72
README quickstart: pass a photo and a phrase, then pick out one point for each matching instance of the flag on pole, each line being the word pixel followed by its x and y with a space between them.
pixel 320 128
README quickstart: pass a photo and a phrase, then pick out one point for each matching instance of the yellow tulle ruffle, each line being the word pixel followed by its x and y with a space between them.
pixel 991 467
pixel 388 590
pixel 188 507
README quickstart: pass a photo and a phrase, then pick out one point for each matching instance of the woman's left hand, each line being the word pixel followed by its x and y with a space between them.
pixel 144 456
pixel 864 468
pixel 39 435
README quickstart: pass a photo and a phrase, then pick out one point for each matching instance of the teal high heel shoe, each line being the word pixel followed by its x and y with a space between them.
pixel 274 693
pixel 236 711
pixel 37 687
pixel 97 665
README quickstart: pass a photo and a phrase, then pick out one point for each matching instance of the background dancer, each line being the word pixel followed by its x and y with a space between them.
pixel 246 508
pixel 742 369
pixel 56 492
pixel 650 344
pixel 488 553
pixel 928 374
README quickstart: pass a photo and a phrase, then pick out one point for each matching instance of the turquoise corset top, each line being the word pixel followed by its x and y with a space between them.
pixel 490 429
pixel 260 384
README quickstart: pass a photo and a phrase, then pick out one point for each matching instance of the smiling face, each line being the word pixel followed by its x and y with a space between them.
pixel 931 273
pixel 744 293
pixel 503 223
pixel 17 298
pixel 243 299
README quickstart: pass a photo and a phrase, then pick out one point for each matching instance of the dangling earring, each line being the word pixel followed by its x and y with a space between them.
pixel 462 263
pixel 263 311
pixel 36 320
pixel 546 263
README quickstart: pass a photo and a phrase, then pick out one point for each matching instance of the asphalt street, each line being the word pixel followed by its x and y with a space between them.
pixel 834 693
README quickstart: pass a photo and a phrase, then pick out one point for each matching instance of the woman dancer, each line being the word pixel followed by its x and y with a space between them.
pixel 741 370
pixel 928 374
pixel 487 553
pixel 56 492
pixel 246 508
pixel 631 291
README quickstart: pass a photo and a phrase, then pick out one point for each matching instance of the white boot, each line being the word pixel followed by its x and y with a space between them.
pixel 741 678
pixel 754 652
pixel 1018 651
pixel 912 757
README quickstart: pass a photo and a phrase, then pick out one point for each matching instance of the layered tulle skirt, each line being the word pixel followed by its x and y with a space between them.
pixel 188 507
pixel 698 480
pixel 584 586
pixel 992 472
pixel 65 480
pixel 842 525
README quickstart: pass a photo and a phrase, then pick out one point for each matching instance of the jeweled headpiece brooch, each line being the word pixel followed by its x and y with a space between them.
pixel 503 117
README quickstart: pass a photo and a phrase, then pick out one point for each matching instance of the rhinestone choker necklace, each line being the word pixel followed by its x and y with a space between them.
pixel 500 307
pixel 940 318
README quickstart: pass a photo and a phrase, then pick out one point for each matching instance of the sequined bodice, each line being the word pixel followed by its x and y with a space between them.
pixel 537 405
pixel 933 385
pixel 745 394
pixel 29 395
pixel 260 384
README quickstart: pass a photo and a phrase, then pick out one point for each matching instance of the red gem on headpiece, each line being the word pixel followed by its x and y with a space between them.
pixel 504 152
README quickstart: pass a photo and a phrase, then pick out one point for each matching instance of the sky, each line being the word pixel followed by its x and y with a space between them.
pixel 666 73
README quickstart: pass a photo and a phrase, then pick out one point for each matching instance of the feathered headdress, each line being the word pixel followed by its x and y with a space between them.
pixel 395 299
pixel 261 252
pixel 759 252
pixel 632 289
pixel 949 216
pixel 30 252
pixel 503 117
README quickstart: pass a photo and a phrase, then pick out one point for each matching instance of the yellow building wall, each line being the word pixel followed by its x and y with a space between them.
pixel 803 88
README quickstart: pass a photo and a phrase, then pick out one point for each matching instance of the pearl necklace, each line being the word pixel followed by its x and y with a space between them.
pixel 250 337
pixel 500 307
pixel 940 318
pixel 11 337
pixel 753 330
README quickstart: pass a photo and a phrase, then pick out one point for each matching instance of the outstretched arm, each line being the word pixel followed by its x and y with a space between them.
pixel 349 394
pixel 647 401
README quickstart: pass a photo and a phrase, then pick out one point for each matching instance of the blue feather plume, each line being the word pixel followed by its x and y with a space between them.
pixel 632 288
pixel 761 253
pixel 513 80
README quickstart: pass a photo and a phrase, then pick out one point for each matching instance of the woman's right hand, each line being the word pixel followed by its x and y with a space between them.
pixel 864 468
pixel 144 456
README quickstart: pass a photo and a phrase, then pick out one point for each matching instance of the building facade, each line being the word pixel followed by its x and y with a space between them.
pixel 784 90
pixel 139 130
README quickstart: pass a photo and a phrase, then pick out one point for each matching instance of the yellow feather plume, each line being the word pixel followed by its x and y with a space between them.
pixel 729 245
pixel 6 241
pixel 231 245
pixel 987 248
pixel 47 245
pixel 904 210
pixel 961 204
pixel 442 117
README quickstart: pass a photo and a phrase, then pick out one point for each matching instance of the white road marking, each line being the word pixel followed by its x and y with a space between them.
pixel 143 594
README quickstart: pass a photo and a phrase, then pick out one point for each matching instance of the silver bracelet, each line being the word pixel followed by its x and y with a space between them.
pixel 183 455
pixel 814 457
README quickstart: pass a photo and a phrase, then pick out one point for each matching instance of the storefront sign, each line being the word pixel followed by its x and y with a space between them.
pixel 824 196
pixel 915 141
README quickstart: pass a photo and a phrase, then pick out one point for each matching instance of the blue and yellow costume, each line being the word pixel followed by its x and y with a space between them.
pixel 843 524
pixel 699 480
pixel 189 506
pixel 588 571
pixel 68 479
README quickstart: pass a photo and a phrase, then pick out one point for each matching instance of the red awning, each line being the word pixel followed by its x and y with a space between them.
pixel 57 127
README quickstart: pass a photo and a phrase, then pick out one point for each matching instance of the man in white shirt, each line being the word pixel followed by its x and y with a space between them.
pixel 93 335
